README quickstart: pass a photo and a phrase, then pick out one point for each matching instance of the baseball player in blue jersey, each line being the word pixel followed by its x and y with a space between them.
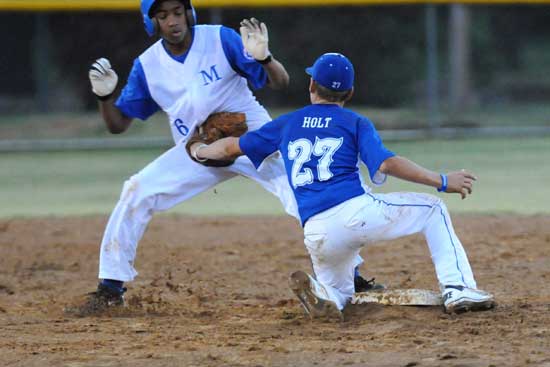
pixel 321 145
pixel 192 72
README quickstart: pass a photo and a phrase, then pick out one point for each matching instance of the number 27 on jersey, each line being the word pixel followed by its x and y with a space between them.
pixel 300 151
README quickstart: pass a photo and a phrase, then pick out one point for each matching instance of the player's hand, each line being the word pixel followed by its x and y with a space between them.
pixel 194 148
pixel 103 78
pixel 460 182
pixel 255 38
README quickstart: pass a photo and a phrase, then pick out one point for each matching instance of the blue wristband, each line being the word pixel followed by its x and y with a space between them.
pixel 443 187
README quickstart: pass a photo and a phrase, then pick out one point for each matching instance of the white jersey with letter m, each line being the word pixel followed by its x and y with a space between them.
pixel 203 84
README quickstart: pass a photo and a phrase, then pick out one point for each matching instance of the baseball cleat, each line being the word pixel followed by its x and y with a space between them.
pixel 103 299
pixel 458 299
pixel 363 285
pixel 313 296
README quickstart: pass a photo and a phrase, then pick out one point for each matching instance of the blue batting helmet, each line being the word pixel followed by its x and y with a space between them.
pixel 148 22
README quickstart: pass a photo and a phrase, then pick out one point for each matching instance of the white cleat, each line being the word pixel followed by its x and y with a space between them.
pixel 458 299
pixel 313 296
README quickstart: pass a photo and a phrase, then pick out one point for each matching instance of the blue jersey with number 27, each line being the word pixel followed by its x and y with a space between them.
pixel 321 145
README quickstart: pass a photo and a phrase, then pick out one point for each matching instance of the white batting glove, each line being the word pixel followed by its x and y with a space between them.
pixel 255 38
pixel 103 78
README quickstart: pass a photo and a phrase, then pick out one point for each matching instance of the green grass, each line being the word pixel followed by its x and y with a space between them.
pixel 514 176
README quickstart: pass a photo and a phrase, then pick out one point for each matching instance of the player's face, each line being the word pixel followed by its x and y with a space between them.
pixel 172 21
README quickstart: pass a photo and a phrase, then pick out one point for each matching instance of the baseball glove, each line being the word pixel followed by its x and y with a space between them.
pixel 218 125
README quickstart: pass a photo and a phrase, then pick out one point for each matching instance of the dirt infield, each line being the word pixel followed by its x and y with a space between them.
pixel 213 292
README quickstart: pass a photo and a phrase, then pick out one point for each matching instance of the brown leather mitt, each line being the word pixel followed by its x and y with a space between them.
pixel 218 125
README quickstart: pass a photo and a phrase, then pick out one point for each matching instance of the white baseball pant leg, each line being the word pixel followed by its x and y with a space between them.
pixel 272 176
pixel 167 181
pixel 335 237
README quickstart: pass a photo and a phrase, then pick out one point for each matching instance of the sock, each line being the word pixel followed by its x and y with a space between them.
pixel 113 284
pixel 357 274
pixel 459 287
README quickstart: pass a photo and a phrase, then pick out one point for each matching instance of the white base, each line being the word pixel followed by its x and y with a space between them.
pixel 399 297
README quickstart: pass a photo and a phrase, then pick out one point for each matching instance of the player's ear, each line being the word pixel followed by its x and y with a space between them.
pixel 349 95
pixel 156 27
pixel 312 86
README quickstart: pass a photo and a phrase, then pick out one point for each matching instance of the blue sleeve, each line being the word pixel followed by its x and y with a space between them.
pixel 259 144
pixel 371 149
pixel 240 61
pixel 135 99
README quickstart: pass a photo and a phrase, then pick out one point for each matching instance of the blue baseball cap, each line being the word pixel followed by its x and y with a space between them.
pixel 333 71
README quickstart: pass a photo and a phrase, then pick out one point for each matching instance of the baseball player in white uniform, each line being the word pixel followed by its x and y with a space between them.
pixel 192 72
pixel 321 145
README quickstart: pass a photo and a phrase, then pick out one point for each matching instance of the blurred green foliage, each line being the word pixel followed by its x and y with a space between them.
pixel 510 51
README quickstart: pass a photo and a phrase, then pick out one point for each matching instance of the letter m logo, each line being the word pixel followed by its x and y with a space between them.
pixel 210 77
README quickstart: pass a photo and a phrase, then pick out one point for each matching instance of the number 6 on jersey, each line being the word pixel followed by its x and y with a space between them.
pixel 300 152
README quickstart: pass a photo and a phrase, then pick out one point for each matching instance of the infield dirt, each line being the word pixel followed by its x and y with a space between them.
pixel 213 292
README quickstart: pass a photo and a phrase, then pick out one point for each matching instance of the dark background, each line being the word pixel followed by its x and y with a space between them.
pixel 510 52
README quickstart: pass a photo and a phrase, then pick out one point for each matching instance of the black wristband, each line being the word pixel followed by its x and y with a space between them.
pixel 104 98
pixel 265 61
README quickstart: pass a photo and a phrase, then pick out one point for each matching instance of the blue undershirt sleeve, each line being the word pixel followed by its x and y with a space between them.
pixel 135 100
pixel 371 149
pixel 240 61
pixel 257 145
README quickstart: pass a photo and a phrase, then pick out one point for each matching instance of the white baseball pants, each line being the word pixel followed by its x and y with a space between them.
pixel 167 181
pixel 335 237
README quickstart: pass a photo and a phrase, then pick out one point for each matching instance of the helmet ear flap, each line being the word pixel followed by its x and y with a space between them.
pixel 191 17
pixel 146 6
pixel 190 13
pixel 156 27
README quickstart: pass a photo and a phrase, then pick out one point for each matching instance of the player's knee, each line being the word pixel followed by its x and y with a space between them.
pixel 443 208
pixel 436 203
pixel 129 189
pixel 315 244
pixel 137 196
pixel 431 200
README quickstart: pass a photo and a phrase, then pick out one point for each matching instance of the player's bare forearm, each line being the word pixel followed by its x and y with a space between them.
pixel 458 182
pixel 220 150
pixel 407 170
pixel 277 75
pixel 115 120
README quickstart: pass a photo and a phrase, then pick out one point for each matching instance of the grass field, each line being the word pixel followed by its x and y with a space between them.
pixel 514 176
